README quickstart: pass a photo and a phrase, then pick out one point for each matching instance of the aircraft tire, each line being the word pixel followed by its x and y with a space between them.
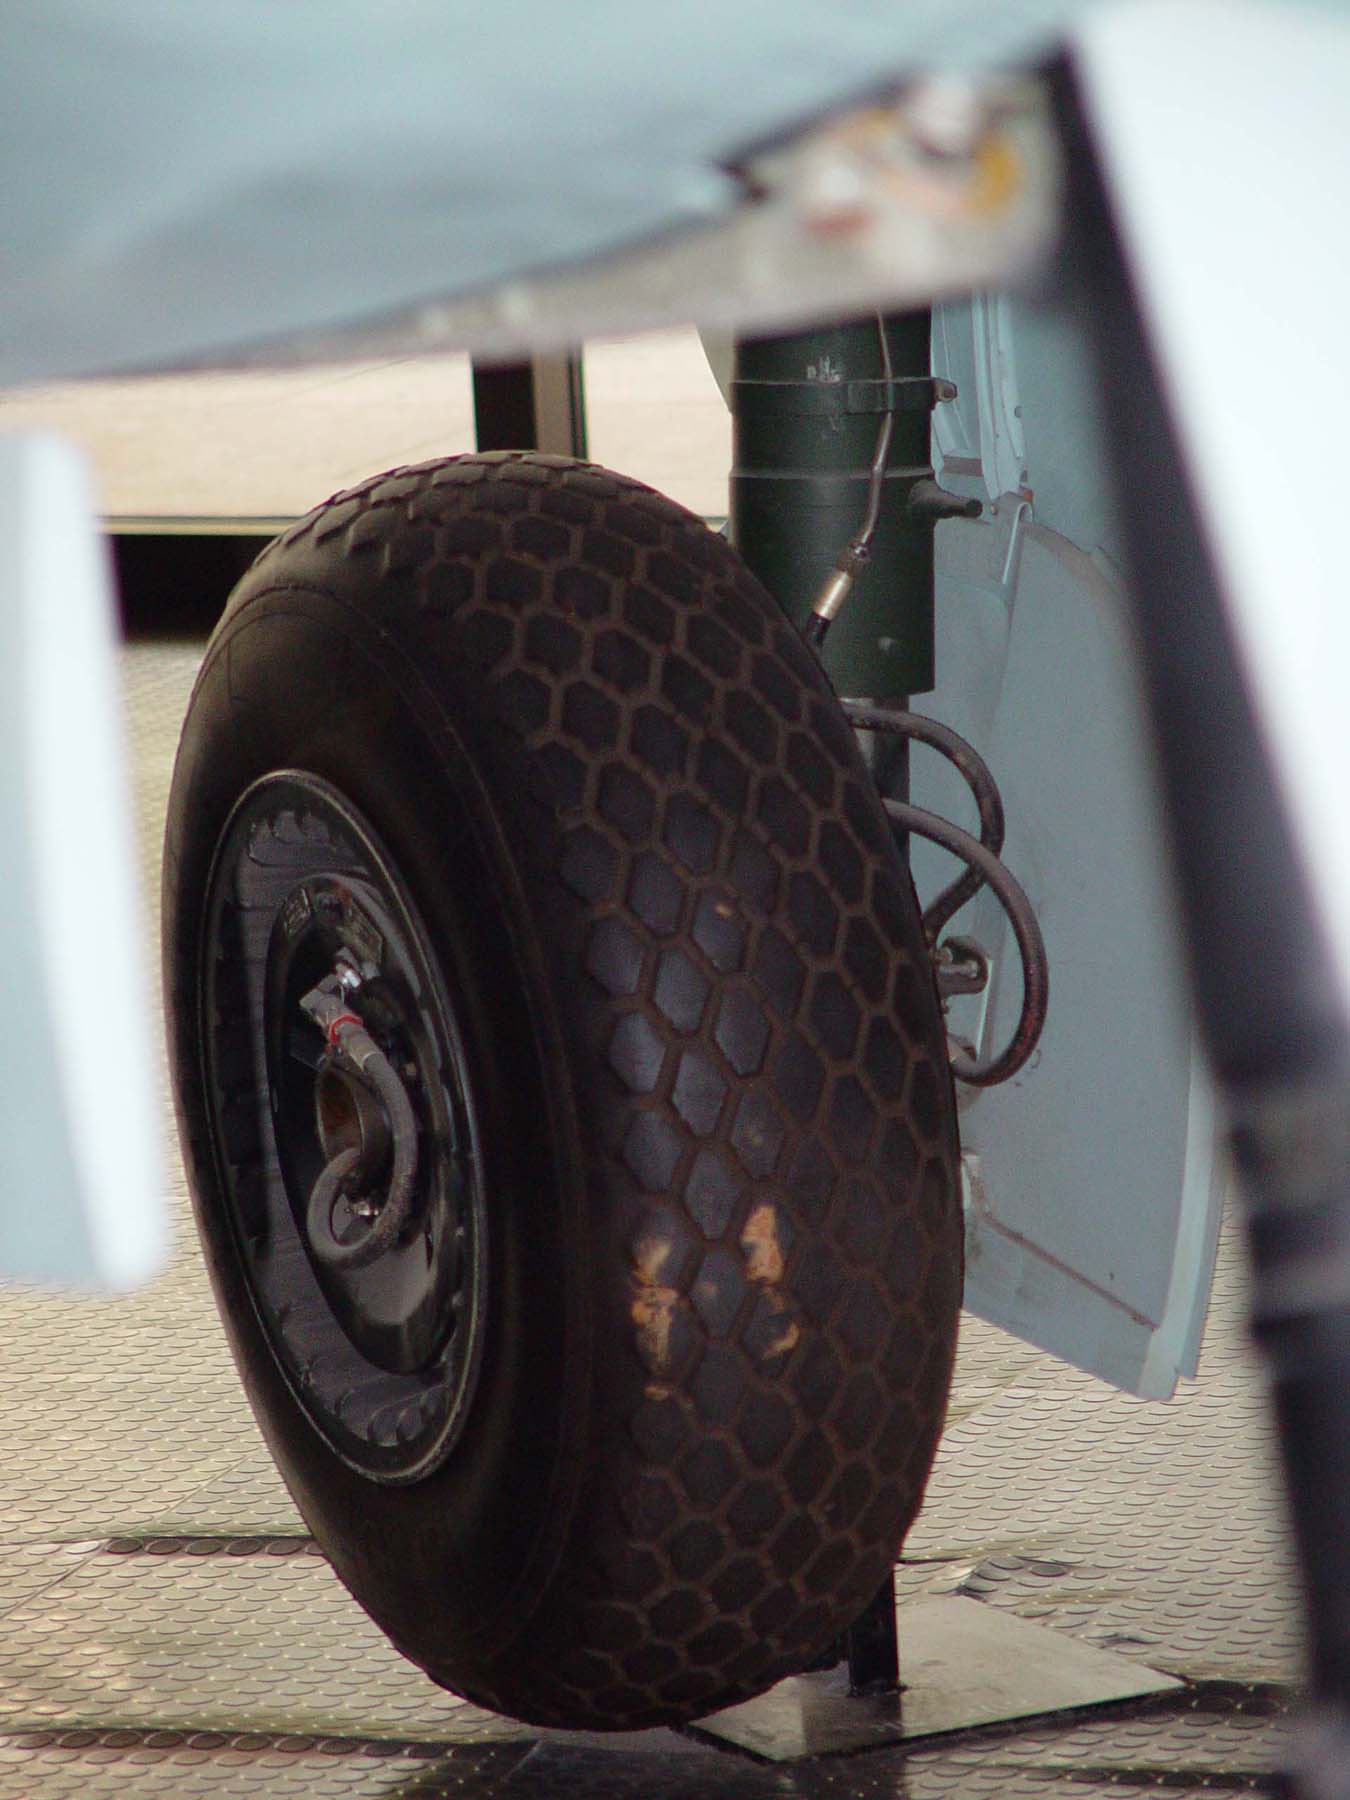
pixel 632 1417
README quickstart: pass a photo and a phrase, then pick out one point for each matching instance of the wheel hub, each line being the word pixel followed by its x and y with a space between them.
pixel 348 1116
pixel 344 1113
pixel 361 1091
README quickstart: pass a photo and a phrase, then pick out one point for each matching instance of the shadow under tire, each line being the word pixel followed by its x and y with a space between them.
pixel 632 1420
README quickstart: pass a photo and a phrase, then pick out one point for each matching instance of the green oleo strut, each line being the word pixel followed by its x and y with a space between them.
pixel 807 411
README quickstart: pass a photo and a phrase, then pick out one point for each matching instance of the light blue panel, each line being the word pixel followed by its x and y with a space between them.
pixel 180 177
pixel 1093 1191
pixel 41 1229
pixel 81 1195
pixel 1056 390
pixel 1089 1187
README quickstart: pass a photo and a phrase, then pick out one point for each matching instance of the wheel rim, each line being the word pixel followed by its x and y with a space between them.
pixel 382 1357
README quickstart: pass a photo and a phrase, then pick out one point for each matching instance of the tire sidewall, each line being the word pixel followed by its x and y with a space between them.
pixel 478 1538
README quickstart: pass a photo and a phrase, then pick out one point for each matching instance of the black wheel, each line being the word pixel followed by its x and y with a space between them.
pixel 563 1090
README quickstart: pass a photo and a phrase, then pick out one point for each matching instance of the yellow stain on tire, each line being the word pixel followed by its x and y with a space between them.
pixel 653 1313
pixel 759 1242
pixel 655 1262
pixel 764 1264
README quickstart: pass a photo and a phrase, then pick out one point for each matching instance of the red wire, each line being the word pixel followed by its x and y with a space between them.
pixel 347 1018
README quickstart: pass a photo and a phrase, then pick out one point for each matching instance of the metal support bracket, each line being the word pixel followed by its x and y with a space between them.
pixel 964 1664
pixel 836 397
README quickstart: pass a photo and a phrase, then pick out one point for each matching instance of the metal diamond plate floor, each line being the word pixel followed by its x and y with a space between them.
pixel 169 1630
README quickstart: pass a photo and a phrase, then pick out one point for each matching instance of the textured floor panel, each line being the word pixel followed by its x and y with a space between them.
pixel 30 1569
pixel 1220 1741
pixel 228 1634
pixel 169 1632
pixel 195 1765
pixel 1223 1740
pixel 1155 1530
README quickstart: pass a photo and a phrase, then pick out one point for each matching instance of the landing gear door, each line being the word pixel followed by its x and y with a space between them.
pixel 1092 1190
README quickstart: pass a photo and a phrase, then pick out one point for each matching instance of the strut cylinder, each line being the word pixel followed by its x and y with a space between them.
pixel 814 462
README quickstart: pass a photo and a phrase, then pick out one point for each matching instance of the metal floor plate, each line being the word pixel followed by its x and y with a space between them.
pixel 965 1665
pixel 166 1629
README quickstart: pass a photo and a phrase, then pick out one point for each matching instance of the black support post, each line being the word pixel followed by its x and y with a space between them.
pixel 535 405
pixel 872 1645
